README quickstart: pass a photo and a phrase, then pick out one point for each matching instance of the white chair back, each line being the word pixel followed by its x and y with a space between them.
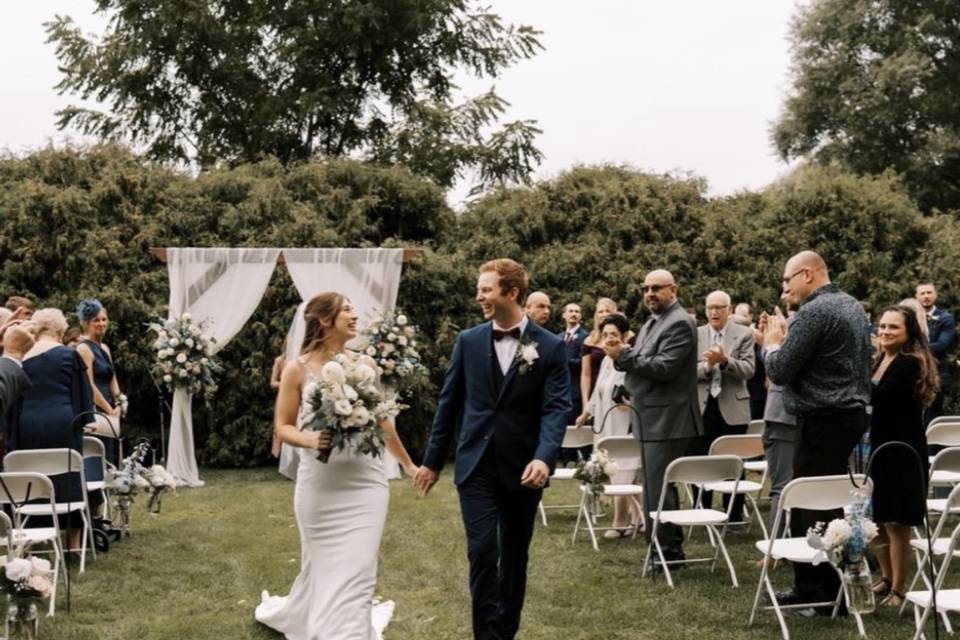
pixel 576 437
pixel 820 493
pixel 49 462
pixel 618 447
pixel 946 460
pixel 703 469
pixel 946 434
pixel 940 419
pixel 755 427
pixel 744 447
pixel 17 487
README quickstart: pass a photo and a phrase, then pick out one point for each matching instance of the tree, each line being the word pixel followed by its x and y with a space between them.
pixel 228 81
pixel 876 87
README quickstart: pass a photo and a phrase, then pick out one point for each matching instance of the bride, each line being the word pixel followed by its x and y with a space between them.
pixel 340 505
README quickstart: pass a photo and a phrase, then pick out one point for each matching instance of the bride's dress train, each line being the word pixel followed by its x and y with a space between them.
pixel 340 508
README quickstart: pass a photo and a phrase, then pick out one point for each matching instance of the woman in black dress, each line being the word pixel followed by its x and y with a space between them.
pixel 96 355
pixel 905 381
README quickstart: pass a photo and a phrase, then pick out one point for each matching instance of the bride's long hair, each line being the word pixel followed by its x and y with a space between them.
pixel 323 307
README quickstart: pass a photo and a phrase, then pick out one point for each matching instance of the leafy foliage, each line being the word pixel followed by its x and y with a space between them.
pixel 875 88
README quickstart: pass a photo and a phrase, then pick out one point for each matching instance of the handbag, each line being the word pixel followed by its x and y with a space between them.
pixel 104 426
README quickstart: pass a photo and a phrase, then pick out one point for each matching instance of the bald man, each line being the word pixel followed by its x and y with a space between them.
pixel 538 307
pixel 661 378
pixel 824 365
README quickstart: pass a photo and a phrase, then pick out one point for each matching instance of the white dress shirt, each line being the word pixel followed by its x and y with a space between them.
pixel 506 347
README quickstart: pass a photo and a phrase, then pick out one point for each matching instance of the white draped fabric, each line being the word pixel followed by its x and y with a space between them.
pixel 223 286
pixel 369 277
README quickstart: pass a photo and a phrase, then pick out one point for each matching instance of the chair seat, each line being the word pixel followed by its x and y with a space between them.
pixel 940 546
pixel 691 517
pixel 726 486
pixel 558 474
pixel 96 485
pixel 44 509
pixel 757 466
pixel 942 476
pixel 622 490
pixel 947 599
pixel 937 505
pixel 792 549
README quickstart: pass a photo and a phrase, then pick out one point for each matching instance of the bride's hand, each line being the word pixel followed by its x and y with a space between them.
pixel 411 470
pixel 319 440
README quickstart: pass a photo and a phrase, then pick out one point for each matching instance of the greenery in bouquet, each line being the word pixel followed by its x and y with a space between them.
pixel 349 401
pixel 27 582
pixel 184 355
pixel 391 341
pixel 596 472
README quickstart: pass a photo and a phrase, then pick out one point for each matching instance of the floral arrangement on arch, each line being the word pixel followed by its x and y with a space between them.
pixel 349 401
pixel 596 472
pixel 184 354
pixel 391 341
pixel 27 582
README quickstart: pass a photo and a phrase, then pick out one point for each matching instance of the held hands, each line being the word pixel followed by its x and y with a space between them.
pixel 535 475
pixel 424 479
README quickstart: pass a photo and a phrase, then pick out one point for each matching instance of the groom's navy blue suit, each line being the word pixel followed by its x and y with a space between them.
pixel 506 421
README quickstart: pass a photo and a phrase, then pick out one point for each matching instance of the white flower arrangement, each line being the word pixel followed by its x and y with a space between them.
pixel 349 401
pixel 158 480
pixel 844 541
pixel 124 403
pixel 26 581
pixel 596 471
pixel 183 350
pixel 391 341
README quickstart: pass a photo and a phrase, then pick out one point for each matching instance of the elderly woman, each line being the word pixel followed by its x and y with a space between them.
pixel 99 362
pixel 44 417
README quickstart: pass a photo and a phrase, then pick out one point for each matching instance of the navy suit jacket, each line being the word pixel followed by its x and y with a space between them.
pixel 943 333
pixel 574 363
pixel 525 414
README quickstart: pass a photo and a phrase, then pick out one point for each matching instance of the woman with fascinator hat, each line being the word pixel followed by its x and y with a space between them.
pixel 99 360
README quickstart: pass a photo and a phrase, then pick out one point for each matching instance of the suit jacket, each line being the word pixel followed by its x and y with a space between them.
pixel 734 398
pixel 13 382
pixel 574 363
pixel 661 378
pixel 943 333
pixel 524 413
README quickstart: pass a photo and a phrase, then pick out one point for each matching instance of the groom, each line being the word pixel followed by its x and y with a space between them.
pixel 507 385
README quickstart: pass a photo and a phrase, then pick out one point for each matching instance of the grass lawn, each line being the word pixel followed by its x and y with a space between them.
pixel 196 572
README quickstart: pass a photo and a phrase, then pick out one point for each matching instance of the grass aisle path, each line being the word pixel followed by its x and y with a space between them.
pixel 196 572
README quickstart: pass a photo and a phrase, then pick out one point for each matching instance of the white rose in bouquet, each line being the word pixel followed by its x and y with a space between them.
pixel 349 392
pixel 392 337
pixel 168 378
pixel 371 351
pixel 189 343
pixel 401 320
pixel 359 416
pixel 837 534
pixel 195 331
pixel 402 341
pixel 333 372
pixel 183 373
pixel 170 325
pixel 343 407
pixel 174 342
pixel 364 373
pixel 388 348
pixel 162 335
pixel 181 358
pixel 18 569
pixel 140 482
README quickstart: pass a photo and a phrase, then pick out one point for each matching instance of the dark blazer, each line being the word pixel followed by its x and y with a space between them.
pixel 524 413
pixel 943 333
pixel 574 363
pixel 13 382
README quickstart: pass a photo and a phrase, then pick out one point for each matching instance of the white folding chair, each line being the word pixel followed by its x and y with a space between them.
pixel 94 450
pixel 940 419
pixel 15 490
pixel 574 438
pixel 947 599
pixel 942 432
pixel 744 447
pixel 755 428
pixel 52 462
pixel 945 467
pixel 625 451
pixel 694 470
pixel 820 493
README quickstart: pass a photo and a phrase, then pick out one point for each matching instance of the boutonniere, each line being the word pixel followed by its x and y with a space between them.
pixel 527 354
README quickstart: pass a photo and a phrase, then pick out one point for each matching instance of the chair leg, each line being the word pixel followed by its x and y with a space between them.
pixel 580 514
pixel 756 597
pixel 726 556
pixel 543 513
pixel 759 516
pixel 776 609
pixel 663 560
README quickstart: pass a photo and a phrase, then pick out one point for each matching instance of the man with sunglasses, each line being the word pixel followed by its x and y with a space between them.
pixel 824 365
pixel 661 379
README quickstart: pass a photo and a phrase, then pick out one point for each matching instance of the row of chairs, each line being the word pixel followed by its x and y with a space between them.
pixel 27 492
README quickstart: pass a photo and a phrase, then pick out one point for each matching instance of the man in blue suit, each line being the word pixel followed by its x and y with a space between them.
pixel 573 336
pixel 508 389
pixel 943 333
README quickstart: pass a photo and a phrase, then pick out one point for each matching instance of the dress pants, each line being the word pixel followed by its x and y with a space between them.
pixel 656 457
pixel 715 426
pixel 499 521
pixel 778 449
pixel 823 446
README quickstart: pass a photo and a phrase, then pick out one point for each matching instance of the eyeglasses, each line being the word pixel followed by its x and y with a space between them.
pixel 787 280
pixel 654 288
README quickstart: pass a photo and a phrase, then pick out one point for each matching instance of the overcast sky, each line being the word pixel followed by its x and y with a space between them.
pixel 678 85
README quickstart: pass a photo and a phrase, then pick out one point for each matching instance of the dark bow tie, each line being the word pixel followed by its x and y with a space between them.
pixel 499 335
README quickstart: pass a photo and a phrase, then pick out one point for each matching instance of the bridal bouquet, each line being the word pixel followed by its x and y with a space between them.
pixel 26 581
pixel 184 355
pixel 159 480
pixel 350 403
pixel 392 342
pixel 596 472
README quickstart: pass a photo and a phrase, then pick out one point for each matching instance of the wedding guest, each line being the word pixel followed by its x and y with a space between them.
pixel 538 308
pixel 99 364
pixel 573 336
pixel 914 306
pixel 905 380
pixel 72 337
pixel 591 353
pixel 823 364
pixel 44 418
pixel 16 303
pixel 942 330
pixel 612 418
pixel 17 338
pixel 757 384
pixel 867 307
pixel 278 364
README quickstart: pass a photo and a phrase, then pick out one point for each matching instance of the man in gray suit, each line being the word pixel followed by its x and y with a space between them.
pixel 661 379
pixel 727 362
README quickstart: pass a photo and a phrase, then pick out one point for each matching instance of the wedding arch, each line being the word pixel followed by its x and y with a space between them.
pixel 225 286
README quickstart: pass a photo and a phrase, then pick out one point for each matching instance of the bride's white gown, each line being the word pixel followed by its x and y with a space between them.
pixel 340 507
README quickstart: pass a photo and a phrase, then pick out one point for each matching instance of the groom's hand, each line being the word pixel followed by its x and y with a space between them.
pixel 535 475
pixel 424 480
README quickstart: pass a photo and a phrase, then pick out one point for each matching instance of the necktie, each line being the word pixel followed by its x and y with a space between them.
pixel 715 375
pixel 499 335
pixel 645 329
pixel 568 338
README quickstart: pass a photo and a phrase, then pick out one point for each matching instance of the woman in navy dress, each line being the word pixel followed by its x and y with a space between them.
pixel 96 355
pixel 44 416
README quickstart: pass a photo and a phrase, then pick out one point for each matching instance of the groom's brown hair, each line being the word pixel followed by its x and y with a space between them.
pixel 512 276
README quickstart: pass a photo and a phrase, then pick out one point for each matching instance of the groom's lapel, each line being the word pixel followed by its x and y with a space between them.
pixel 493 380
pixel 512 371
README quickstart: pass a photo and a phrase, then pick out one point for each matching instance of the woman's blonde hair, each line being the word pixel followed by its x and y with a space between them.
pixel 594 336
pixel 50 322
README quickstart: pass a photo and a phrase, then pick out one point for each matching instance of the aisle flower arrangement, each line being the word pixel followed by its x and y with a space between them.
pixel 184 355
pixel 159 481
pixel 126 481
pixel 27 583
pixel 349 402
pixel 596 472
